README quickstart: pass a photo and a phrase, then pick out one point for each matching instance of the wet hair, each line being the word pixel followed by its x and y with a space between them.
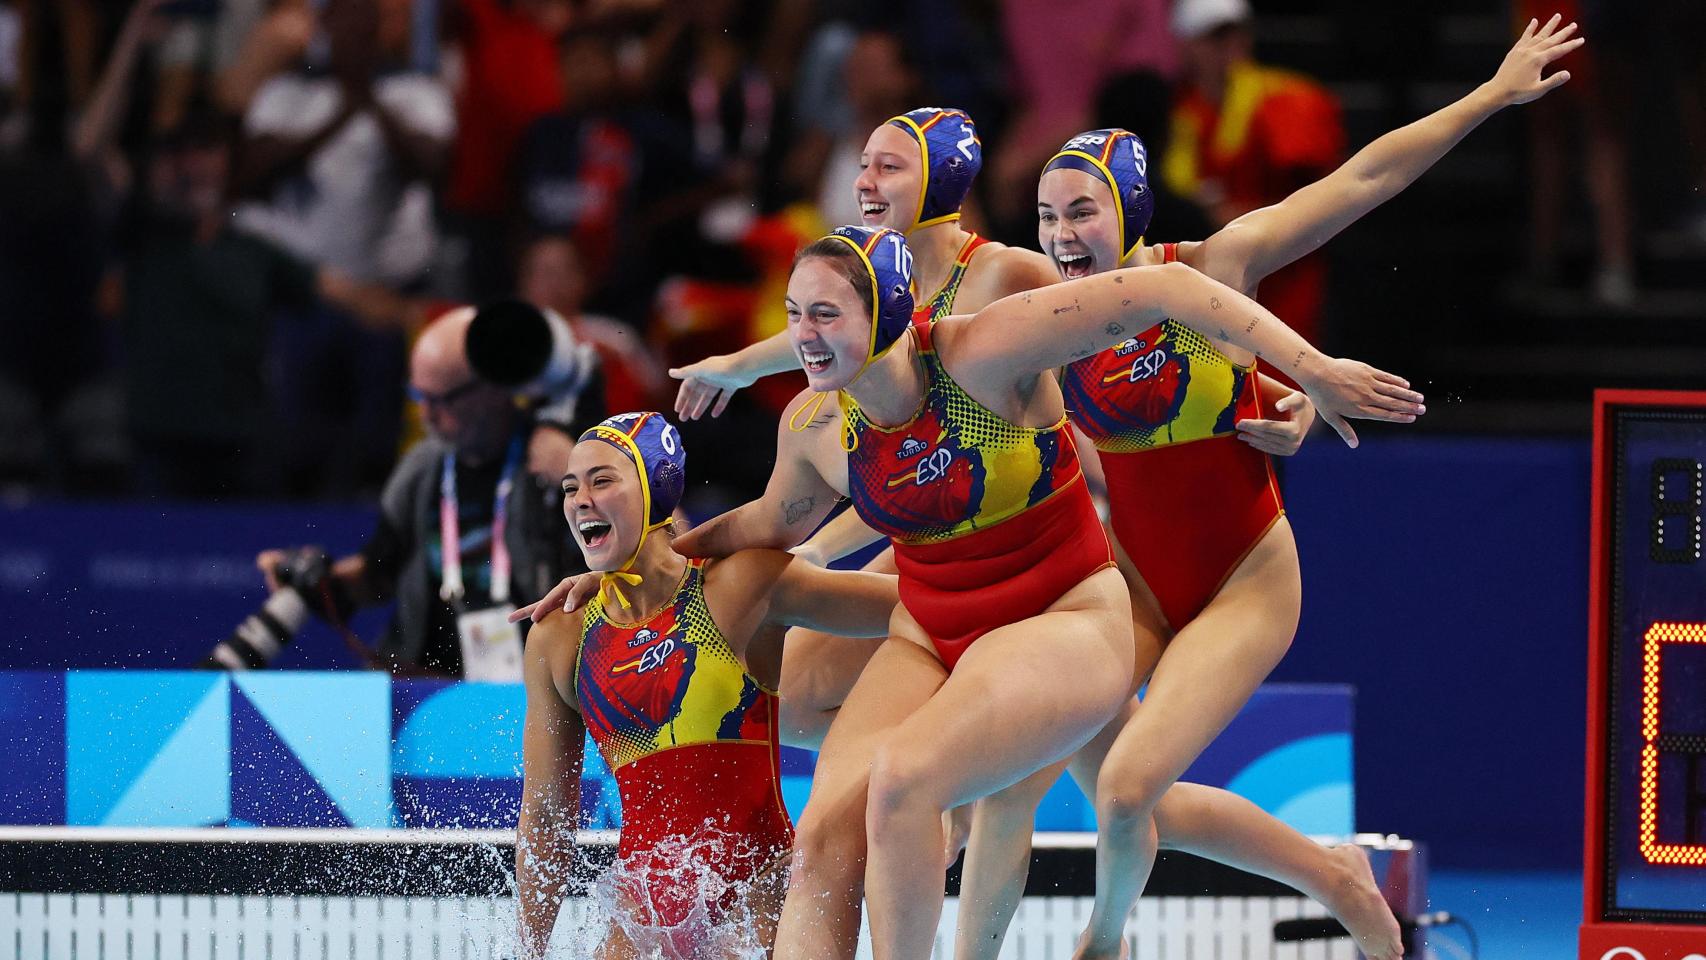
pixel 845 262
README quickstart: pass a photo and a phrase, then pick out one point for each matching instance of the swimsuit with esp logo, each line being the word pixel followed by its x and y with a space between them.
pixel 991 522
pixel 1187 499
pixel 941 303
pixel 691 737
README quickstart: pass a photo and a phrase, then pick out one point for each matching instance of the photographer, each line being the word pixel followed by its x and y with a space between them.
pixel 469 520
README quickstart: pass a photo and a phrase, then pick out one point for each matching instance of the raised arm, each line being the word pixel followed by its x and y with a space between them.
pixel 1262 241
pixel 96 132
pixel 712 382
pixel 1021 336
pixel 795 501
pixel 553 739
pixel 846 603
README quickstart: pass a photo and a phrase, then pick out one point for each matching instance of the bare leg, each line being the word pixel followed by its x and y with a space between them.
pixel 755 915
pixel 818 673
pixel 998 860
pixel 1212 666
pixel 1608 185
pixel 820 918
pixel 1226 828
pixel 1207 821
pixel 983 732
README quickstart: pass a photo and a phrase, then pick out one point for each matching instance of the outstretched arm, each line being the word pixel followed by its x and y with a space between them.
pixel 1262 241
pixel 553 739
pixel 1042 329
pixel 845 603
pixel 795 501
pixel 712 382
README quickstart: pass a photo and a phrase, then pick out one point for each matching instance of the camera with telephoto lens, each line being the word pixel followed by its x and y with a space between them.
pixel 306 586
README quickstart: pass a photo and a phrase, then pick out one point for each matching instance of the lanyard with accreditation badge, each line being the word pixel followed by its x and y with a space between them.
pixel 491 645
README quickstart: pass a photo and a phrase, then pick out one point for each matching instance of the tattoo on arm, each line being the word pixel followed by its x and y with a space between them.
pixel 1214 303
pixel 1118 278
pixel 1075 308
pixel 1224 336
pixel 1114 329
pixel 1298 362
pixel 793 511
pixel 1251 326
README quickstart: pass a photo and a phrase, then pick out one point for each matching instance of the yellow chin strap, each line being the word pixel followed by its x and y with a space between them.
pixel 607 584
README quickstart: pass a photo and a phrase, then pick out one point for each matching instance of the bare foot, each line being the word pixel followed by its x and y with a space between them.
pixel 1085 953
pixel 1355 901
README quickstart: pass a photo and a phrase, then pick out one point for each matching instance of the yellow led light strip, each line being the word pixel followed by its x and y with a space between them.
pixel 1670 854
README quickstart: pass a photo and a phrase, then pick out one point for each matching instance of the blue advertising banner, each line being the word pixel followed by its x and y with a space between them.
pixel 296 749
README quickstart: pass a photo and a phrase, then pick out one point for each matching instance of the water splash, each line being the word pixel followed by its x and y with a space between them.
pixel 672 904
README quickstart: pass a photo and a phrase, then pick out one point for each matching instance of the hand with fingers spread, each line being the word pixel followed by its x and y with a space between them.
pixel 567 596
pixel 1350 388
pixel 708 384
pixel 1519 78
pixel 1282 434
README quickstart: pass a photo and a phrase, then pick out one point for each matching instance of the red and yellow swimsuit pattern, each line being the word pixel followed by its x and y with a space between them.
pixel 691 737
pixel 991 522
pixel 941 303
pixel 1187 500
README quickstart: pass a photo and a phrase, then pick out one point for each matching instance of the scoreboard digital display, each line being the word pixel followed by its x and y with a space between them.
pixel 1645 863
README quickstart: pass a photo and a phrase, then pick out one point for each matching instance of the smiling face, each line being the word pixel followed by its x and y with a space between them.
pixel 891 175
pixel 829 323
pixel 1077 225
pixel 604 504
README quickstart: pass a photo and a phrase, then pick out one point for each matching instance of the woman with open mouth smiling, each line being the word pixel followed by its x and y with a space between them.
pixel 1203 540
pixel 1011 646
pixel 672 671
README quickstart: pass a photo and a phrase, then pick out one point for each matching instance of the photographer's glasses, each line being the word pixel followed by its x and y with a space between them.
pixel 444 399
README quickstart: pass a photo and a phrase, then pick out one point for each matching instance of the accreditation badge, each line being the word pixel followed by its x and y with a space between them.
pixel 491 645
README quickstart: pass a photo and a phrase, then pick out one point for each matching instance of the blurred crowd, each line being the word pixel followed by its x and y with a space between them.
pixel 222 221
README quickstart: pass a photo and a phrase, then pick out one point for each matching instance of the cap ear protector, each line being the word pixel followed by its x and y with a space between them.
pixel 661 459
pixel 1115 157
pixel 950 154
pixel 888 263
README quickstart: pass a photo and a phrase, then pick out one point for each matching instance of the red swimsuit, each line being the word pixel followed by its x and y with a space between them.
pixel 1187 499
pixel 991 522
pixel 692 740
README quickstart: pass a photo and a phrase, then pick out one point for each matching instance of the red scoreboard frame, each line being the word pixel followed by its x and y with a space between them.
pixel 1607 932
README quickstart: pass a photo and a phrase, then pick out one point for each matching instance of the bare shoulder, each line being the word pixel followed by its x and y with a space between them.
pixel 810 412
pixel 1222 255
pixel 1002 272
pixel 810 426
pixel 557 642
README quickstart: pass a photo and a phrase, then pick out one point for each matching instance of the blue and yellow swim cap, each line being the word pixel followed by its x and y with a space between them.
pixel 951 155
pixel 655 446
pixel 1117 158
pixel 888 262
